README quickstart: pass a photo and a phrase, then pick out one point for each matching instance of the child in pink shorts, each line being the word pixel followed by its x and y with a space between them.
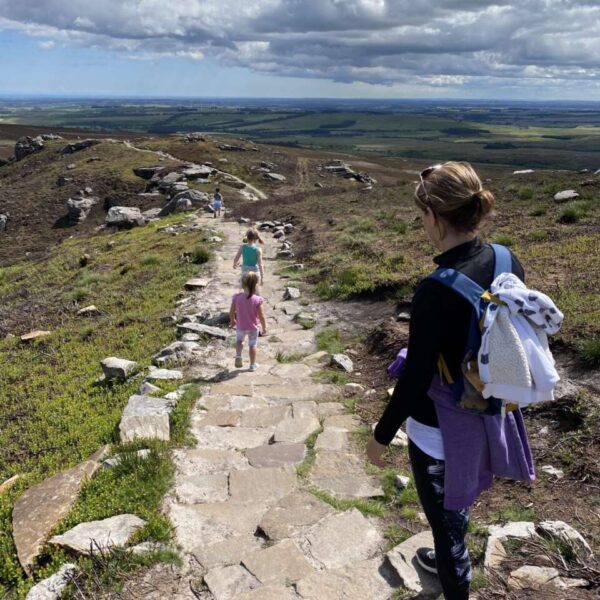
pixel 246 314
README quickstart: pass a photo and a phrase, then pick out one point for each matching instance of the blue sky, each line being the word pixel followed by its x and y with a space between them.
pixel 533 49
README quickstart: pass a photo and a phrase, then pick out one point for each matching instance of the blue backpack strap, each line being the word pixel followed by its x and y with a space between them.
pixel 461 284
pixel 503 260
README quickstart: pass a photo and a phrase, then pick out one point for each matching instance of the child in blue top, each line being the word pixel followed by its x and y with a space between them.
pixel 251 255
pixel 217 203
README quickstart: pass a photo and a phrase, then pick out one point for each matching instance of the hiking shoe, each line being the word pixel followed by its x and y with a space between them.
pixel 426 559
pixel 239 363
pixel 253 366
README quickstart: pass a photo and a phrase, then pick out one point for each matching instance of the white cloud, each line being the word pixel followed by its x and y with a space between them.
pixel 439 43
pixel 46 45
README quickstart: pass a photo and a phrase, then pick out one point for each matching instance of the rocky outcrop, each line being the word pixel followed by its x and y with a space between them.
pixel 146 417
pixel 125 217
pixel 118 369
pixel 53 587
pixel 177 204
pixel 77 146
pixel 147 172
pixel 28 145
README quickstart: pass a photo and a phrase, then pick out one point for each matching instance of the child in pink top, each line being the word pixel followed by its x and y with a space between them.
pixel 245 314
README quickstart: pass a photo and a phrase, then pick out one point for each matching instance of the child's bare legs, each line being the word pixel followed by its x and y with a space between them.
pixel 239 347
pixel 252 352
pixel 252 344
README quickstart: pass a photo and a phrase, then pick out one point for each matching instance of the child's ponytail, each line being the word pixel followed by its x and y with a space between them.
pixel 252 235
pixel 249 283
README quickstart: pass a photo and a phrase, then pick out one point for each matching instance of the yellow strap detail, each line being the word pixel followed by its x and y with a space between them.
pixel 444 371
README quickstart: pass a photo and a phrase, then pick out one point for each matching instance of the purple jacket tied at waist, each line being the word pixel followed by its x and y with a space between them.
pixel 477 447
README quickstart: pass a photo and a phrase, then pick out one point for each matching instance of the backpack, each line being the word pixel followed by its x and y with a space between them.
pixel 467 389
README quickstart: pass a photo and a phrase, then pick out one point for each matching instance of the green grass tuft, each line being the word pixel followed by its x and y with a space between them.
pixel 589 352
pixel 201 255
pixel 368 507
pixel 330 340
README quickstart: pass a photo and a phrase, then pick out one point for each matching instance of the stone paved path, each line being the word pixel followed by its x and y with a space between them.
pixel 247 523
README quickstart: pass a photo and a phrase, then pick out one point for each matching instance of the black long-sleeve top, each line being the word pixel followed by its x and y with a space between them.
pixel 439 324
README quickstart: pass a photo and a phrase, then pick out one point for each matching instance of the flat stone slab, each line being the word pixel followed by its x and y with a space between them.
pixel 329 409
pixel 332 439
pixel 225 583
pixel 240 518
pixel 206 461
pixel 228 552
pixel 97 536
pixel 292 514
pixel 235 438
pixel 281 563
pixel 262 485
pixel 203 330
pixel 295 429
pixel 192 525
pixel 304 408
pixel 276 455
pixel 403 559
pixel 195 489
pixel 342 422
pixel 264 417
pixel 341 539
pixel 53 587
pixel 164 374
pixel 291 371
pixel 196 283
pixel 118 368
pixel 270 592
pixel 34 517
pixel 343 475
pixel 146 417
pixel 358 581
pixel 514 529
pixel 220 418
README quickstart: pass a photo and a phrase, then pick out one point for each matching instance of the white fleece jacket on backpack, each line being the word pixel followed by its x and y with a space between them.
pixel 515 363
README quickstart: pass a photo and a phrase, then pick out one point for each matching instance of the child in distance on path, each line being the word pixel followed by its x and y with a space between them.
pixel 251 255
pixel 217 204
pixel 246 314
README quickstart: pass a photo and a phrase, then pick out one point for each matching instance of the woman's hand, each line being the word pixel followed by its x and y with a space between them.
pixel 374 452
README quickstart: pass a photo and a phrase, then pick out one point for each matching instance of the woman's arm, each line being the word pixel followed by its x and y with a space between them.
pixel 424 345
pixel 236 260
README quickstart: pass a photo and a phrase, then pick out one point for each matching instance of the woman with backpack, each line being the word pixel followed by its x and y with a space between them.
pixel 454 453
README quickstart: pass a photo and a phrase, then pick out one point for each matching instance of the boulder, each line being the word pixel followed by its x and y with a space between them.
pixel 176 205
pixel 118 368
pixel 552 471
pixel 199 172
pixel 565 196
pixel 532 578
pixel 124 216
pixel 146 417
pixel 291 293
pixel 77 146
pixel 285 254
pixel 196 197
pixel 99 536
pixel 564 532
pixel 34 335
pixel 151 213
pixel 3 222
pixel 79 208
pixel 88 311
pixel 342 361
pixel 28 145
pixel 34 516
pixel 147 172
pixel 274 177
pixel 53 587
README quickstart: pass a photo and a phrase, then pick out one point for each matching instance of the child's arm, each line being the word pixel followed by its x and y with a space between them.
pixel 236 260
pixel 261 317
pixel 232 321
pixel 261 267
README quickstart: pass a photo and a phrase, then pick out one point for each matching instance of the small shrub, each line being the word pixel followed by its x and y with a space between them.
pixel 504 239
pixel 150 260
pixel 569 215
pixel 330 340
pixel 525 193
pixel 333 376
pixel 201 255
pixel 538 236
pixel 539 211
pixel 589 352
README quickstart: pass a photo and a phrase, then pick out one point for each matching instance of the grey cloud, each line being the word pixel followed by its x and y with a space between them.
pixel 447 42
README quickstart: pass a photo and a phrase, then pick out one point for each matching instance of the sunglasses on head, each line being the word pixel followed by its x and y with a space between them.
pixel 425 173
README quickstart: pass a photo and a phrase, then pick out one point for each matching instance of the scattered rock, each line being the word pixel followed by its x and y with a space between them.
pixel 118 369
pixel 343 362
pixel 403 317
pixel 34 517
pixel 565 196
pixel 197 283
pixel 199 172
pixel 533 578
pixel 205 331
pixel 98 536
pixel 291 293
pixel 34 335
pixel 71 166
pixel 274 177
pixel 88 311
pixel 77 146
pixel 28 145
pixel 523 172
pixel 145 417
pixel 401 481
pixel 53 587
pixel 553 471
pixel 285 254
pixel 176 353
pixel 563 531
pixel 514 529
pixel 147 172
pixel 495 553
pixel 147 389
pixel 176 205
pixel 403 559
pixel 124 216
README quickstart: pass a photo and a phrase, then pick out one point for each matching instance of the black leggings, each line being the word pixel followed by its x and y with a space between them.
pixel 449 527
